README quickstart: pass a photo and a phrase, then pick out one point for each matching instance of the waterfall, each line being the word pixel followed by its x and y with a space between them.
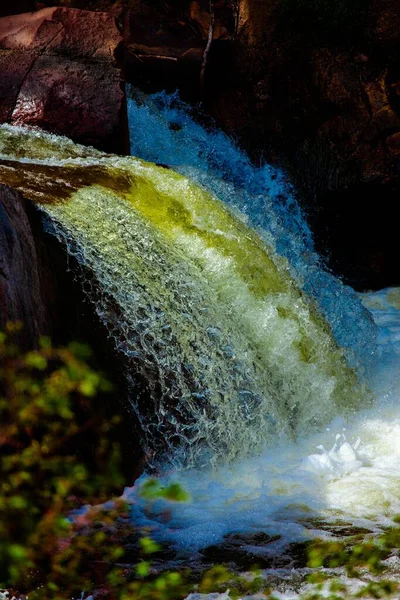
pixel 164 130
pixel 344 477
pixel 223 350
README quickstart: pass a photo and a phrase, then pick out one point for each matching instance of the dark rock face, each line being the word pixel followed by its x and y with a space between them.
pixel 327 109
pixel 59 73
pixel 16 7
pixel 164 44
pixel 386 16
pixel 310 99
pixel 22 293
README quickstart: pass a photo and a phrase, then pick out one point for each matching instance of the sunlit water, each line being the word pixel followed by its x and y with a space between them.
pixel 164 130
pixel 220 349
pixel 348 473
pixel 212 315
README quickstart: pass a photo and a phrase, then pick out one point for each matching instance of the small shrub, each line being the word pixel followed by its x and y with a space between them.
pixel 51 547
pixel 45 400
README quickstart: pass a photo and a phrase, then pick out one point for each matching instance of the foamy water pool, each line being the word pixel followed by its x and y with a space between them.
pixel 348 473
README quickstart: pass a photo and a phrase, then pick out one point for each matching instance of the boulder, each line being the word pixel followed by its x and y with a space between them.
pixel 21 291
pixel 59 72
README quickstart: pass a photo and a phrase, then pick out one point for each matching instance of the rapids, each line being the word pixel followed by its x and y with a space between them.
pixel 164 130
pixel 246 363
pixel 222 351
pixel 345 476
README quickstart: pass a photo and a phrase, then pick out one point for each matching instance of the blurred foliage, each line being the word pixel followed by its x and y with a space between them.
pixel 219 578
pixel 356 557
pixel 152 489
pixel 46 397
pixel 52 544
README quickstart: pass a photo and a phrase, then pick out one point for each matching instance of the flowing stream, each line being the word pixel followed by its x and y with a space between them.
pixel 348 473
pixel 261 383
pixel 344 477
pixel 222 350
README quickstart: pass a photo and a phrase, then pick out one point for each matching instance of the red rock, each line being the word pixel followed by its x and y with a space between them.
pixel 21 297
pixel 62 30
pixel 13 68
pixel 59 73
pixel 71 97
pixel 31 31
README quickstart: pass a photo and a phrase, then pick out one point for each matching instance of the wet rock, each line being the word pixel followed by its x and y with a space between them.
pixel 246 551
pixel 57 77
pixel 21 289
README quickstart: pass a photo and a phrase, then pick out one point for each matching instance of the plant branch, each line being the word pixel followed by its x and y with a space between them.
pixel 207 48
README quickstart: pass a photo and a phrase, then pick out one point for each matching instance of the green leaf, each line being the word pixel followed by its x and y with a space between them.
pixel 149 546
pixel 176 493
pixel 36 360
pixel 17 502
pixel 17 552
pixel 143 568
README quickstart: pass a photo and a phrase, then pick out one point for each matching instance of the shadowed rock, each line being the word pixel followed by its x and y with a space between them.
pixel 21 290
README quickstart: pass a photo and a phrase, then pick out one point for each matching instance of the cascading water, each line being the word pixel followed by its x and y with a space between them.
pixel 232 354
pixel 348 473
pixel 225 354
pixel 345 477
pixel 163 130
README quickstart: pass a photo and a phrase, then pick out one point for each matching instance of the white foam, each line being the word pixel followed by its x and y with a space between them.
pixel 348 472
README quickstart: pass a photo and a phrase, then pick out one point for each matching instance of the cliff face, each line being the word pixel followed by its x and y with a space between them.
pixel 318 90
pixel 331 89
